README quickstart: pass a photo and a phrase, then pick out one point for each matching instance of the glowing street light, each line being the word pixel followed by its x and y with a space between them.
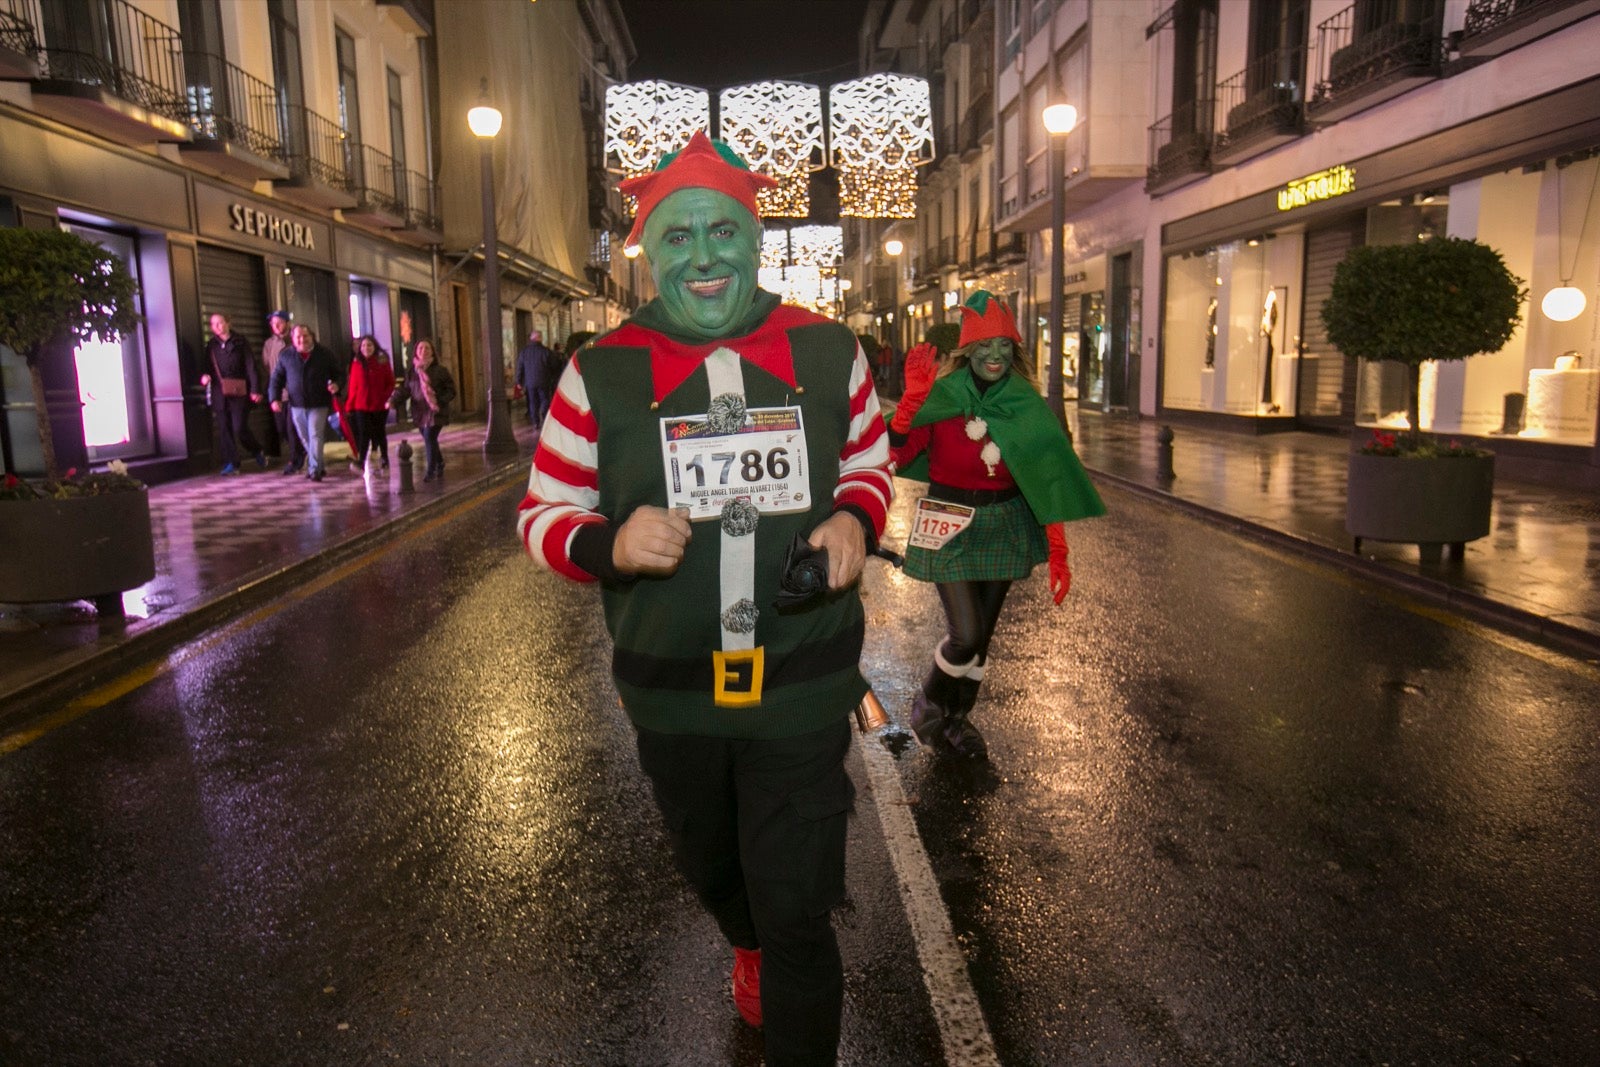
pixel 484 121
pixel 1059 119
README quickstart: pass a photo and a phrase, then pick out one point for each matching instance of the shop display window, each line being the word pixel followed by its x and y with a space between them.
pixel 1230 342
pixel 1545 383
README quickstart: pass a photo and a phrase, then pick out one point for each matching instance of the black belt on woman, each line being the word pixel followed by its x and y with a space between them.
pixel 972 497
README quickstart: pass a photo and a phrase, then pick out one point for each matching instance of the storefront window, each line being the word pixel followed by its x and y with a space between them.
pixel 1230 327
pixel 113 385
pixel 1545 383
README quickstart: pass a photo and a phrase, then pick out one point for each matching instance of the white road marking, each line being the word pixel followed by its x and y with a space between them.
pixel 944 968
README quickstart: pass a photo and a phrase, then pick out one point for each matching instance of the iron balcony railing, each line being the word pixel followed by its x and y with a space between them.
pixel 1180 143
pixel 19 26
pixel 422 203
pixel 378 180
pixel 224 103
pixel 1486 15
pixel 120 49
pixel 1355 49
pixel 316 148
pixel 1268 92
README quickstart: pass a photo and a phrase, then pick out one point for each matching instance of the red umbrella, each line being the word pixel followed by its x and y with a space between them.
pixel 344 422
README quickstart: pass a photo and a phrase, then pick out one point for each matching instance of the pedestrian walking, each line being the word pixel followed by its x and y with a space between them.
pixel 537 371
pixel 368 400
pixel 309 377
pixel 739 693
pixel 1002 479
pixel 431 389
pixel 233 386
pixel 282 429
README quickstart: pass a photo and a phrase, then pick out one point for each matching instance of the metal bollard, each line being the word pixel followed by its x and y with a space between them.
pixel 1164 454
pixel 403 455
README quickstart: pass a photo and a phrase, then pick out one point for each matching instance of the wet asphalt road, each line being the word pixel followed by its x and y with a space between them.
pixel 1241 810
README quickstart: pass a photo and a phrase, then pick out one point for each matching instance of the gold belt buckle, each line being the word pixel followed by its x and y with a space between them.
pixel 736 677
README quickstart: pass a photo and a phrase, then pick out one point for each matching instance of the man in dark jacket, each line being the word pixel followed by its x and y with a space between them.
pixel 310 375
pixel 537 371
pixel 235 386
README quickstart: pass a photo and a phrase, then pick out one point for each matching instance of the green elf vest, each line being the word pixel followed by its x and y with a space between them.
pixel 705 651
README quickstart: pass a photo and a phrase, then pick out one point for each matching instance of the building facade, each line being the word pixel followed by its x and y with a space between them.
pixel 249 155
pixel 241 157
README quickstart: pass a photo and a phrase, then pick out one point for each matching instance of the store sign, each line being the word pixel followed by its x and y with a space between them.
pixel 1323 185
pixel 258 223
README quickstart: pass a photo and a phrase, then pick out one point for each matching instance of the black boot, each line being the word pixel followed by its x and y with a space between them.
pixel 940 696
pixel 960 735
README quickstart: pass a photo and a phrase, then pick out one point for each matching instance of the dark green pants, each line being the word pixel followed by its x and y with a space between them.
pixel 758 828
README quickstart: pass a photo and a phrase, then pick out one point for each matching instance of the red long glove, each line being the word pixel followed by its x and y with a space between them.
pixel 1060 573
pixel 922 367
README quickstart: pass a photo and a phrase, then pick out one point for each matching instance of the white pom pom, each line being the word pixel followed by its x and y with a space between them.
pixel 990 456
pixel 976 428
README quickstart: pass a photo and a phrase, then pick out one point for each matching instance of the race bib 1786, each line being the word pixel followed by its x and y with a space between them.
pixel 763 462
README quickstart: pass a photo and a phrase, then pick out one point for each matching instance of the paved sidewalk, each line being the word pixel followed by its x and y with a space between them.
pixel 1536 574
pixel 224 544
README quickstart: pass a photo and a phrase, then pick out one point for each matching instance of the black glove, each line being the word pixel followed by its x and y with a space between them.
pixel 805 574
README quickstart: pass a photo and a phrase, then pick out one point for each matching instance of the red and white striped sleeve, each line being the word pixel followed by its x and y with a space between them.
pixel 563 487
pixel 864 478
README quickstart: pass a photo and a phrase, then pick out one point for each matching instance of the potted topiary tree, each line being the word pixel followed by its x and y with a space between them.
pixel 1440 299
pixel 75 535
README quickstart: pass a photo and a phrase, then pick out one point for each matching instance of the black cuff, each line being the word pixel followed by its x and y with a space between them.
pixel 591 550
pixel 861 516
pixel 896 438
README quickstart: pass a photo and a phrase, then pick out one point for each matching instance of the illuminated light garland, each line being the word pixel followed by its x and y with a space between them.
pixel 776 127
pixel 645 120
pixel 816 246
pixel 880 128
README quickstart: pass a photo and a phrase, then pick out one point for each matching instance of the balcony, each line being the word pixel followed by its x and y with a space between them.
pixel 320 161
pixel 1496 26
pixel 947 253
pixel 380 187
pixel 413 16
pixel 19 40
pixel 233 118
pixel 118 74
pixel 423 224
pixel 977 124
pixel 1261 105
pixel 1360 66
pixel 1180 147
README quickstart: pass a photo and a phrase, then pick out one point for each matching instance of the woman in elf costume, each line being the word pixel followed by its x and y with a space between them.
pixel 1003 478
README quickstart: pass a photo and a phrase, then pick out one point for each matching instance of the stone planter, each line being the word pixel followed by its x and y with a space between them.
pixel 78 548
pixel 1430 502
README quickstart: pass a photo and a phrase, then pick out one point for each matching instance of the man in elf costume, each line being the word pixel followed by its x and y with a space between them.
pixel 1003 478
pixel 689 458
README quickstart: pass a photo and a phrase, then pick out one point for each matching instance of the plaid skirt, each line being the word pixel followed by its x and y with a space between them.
pixel 1004 543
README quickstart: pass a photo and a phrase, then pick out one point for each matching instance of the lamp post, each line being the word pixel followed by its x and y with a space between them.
pixel 484 121
pixel 1059 119
pixel 892 248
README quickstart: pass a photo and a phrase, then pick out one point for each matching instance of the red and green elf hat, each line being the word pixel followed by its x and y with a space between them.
pixel 985 315
pixel 701 164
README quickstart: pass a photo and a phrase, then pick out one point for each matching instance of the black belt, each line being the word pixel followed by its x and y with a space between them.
pixel 972 497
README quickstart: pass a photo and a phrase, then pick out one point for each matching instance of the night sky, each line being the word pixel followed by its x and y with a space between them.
pixel 713 44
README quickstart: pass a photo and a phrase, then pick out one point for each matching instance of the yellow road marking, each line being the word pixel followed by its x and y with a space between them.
pixel 148 672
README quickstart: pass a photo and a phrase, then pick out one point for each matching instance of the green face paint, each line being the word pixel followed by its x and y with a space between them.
pixel 991 359
pixel 703 248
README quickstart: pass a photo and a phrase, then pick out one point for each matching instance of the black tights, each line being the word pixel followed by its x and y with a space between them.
pixel 971 611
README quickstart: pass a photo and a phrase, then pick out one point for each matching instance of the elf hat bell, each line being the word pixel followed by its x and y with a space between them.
pixel 986 316
pixel 701 164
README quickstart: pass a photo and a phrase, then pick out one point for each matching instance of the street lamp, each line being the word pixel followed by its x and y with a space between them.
pixel 1059 119
pixel 484 121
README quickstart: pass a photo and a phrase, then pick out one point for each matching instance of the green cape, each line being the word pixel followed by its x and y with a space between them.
pixel 1030 438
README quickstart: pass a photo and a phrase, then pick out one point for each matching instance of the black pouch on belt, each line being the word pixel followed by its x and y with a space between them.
pixel 805 575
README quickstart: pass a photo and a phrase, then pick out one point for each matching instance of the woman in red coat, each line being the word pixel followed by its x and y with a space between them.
pixel 367 406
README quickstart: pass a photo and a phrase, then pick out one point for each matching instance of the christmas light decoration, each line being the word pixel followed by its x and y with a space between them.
pixel 646 120
pixel 880 129
pixel 776 127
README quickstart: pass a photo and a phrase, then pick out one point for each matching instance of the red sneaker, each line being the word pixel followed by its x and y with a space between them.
pixel 747 984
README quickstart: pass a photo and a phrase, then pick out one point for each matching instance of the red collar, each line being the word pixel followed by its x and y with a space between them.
pixel 671 362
